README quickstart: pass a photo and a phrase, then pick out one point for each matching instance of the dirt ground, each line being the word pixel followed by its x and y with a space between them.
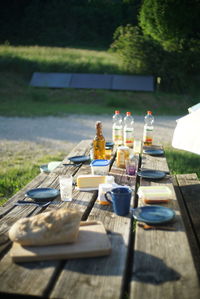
pixel 53 134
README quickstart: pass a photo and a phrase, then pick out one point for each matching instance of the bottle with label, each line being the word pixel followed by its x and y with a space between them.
pixel 148 129
pixel 117 130
pixel 128 130
pixel 99 143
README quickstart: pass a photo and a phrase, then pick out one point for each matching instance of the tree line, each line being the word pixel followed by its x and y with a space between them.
pixel 65 22
pixel 161 38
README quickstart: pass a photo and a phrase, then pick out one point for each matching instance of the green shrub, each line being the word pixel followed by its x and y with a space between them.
pixel 143 55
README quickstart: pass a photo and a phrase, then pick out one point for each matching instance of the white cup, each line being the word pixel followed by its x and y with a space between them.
pixel 137 147
pixel 66 187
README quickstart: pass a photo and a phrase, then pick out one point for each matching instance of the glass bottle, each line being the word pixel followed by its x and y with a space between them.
pixel 128 130
pixel 99 143
pixel 117 129
pixel 148 129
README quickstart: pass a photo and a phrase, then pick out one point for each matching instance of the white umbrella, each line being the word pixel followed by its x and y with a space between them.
pixel 187 132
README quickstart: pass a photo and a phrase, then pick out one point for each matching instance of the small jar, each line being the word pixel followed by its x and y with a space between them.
pixel 108 153
pixel 122 156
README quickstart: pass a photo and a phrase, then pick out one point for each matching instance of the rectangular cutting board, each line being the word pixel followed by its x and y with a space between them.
pixel 92 241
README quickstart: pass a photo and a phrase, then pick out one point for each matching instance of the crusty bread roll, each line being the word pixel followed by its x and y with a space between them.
pixel 54 227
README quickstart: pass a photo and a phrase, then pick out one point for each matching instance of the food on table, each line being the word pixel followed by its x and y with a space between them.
pixel 90 181
pixel 48 228
pixel 154 194
pixel 122 155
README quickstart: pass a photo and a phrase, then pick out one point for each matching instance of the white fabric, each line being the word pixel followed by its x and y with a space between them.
pixel 187 133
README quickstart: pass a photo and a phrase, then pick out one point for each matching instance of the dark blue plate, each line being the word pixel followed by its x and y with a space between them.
pixel 42 193
pixel 153 152
pixel 79 159
pixel 152 174
pixel 153 214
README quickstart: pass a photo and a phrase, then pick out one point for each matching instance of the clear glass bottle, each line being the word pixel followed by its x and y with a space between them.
pixel 117 129
pixel 128 130
pixel 99 151
pixel 148 129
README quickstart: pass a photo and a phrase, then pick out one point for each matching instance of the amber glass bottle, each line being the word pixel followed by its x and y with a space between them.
pixel 99 151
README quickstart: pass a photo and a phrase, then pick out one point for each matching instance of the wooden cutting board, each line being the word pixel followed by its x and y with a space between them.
pixel 92 241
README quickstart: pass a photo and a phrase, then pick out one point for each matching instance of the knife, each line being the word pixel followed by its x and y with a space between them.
pixel 35 203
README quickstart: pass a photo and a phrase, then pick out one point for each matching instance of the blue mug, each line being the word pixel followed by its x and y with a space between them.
pixel 120 197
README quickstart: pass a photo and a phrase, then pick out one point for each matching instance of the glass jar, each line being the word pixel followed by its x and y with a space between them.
pixel 131 165
pixel 122 156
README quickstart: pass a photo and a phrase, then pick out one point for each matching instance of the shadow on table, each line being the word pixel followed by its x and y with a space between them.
pixel 150 269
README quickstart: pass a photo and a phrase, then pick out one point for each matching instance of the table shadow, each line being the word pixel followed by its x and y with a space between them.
pixel 150 269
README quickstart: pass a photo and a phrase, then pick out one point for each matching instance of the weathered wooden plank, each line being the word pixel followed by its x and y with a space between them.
pixel 27 278
pixel 43 274
pixel 42 179
pixel 108 273
pixel 190 189
pixel 187 187
pixel 160 257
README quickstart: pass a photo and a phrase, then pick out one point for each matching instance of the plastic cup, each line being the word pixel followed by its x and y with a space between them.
pixel 66 187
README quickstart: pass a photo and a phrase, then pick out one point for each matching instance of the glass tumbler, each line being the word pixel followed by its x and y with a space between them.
pixel 66 187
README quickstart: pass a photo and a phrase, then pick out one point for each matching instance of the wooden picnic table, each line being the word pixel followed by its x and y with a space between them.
pixel 143 263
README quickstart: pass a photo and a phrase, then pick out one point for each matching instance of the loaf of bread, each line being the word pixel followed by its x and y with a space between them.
pixel 48 228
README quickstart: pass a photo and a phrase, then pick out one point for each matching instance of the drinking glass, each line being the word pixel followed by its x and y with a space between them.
pixel 66 187
pixel 137 147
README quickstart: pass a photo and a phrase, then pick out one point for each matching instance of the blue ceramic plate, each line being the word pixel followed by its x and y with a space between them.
pixel 79 159
pixel 153 152
pixel 152 174
pixel 153 214
pixel 42 193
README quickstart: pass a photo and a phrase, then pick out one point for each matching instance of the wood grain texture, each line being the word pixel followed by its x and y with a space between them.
pixel 187 188
pixel 108 273
pixel 163 265
pixel 11 274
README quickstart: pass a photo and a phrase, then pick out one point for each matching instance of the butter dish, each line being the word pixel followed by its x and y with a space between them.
pixel 154 194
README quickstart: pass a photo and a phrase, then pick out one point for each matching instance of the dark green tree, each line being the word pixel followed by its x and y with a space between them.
pixel 174 23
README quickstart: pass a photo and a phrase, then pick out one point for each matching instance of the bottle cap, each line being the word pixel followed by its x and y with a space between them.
pixel 149 112
pixel 117 111
pixel 128 113
pixel 98 123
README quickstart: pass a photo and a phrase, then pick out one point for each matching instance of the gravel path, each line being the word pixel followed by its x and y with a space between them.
pixel 62 133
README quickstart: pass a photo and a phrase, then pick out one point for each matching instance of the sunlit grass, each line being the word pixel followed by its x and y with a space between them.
pixel 181 162
pixel 18 98
pixel 56 59
pixel 20 169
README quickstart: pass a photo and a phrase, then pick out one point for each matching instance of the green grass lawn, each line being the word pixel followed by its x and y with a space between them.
pixel 180 161
pixel 17 64
pixel 17 98
pixel 20 168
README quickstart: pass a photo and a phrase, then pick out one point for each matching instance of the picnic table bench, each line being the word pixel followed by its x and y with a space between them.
pixel 143 263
